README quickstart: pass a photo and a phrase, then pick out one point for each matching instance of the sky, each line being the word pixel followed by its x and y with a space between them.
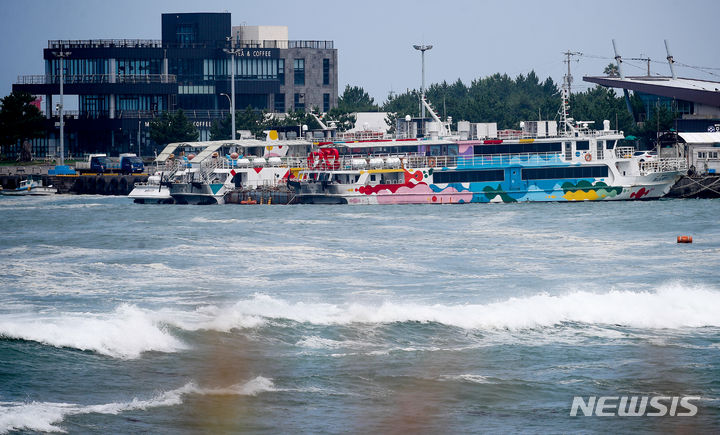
pixel 471 39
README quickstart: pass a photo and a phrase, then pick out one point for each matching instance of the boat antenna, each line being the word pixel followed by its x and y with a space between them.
pixel 569 54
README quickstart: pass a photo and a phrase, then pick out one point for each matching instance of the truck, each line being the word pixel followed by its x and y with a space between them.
pixel 127 163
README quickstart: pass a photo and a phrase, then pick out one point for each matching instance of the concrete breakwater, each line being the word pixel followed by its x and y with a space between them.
pixel 114 184
pixel 699 186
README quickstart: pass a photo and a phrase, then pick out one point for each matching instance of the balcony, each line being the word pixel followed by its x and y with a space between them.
pixel 156 43
pixel 105 43
pixel 327 45
pixel 96 79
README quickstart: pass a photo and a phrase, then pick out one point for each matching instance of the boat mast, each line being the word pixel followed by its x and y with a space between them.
pixel 565 93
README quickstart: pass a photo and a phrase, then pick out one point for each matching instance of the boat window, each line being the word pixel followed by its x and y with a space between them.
pixel 468 176
pixel 582 145
pixel 564 172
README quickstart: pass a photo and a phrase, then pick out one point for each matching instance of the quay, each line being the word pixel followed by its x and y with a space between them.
pixel 84 184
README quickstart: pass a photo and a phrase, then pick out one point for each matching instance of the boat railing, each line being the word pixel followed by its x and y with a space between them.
pixel 255 161
pixel 483 160
pixel 420 160
pixel 662 165
pixel 624 152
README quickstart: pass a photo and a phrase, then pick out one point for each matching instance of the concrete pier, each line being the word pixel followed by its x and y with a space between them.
pixel 109 184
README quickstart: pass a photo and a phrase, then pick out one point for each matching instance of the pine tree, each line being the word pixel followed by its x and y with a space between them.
pixel 173 127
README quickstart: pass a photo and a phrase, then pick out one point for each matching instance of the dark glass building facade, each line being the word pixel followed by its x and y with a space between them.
pixel 121 85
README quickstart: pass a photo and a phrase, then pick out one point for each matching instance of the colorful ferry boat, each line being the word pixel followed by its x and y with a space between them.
pixel 541 162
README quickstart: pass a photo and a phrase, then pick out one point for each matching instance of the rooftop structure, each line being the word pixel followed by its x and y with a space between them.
pixel 697 102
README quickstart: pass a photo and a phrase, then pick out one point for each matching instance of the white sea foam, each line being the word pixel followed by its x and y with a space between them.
pixel 671 306
pixel 124 333
pixel 201 219
pixel 475 379
pixel 45 416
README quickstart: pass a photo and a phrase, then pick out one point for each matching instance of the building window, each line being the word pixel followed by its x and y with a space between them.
pixel 326 102
pixel 299 69
pixel 326 71
pixel 279 103
pixel 185 33
pixel 299 103
pixel 281 71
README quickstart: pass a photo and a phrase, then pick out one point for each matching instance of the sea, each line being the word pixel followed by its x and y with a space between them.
pixel 118 317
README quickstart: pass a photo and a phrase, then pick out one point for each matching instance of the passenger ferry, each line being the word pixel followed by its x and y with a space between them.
pixel 541 162
pixel 220 167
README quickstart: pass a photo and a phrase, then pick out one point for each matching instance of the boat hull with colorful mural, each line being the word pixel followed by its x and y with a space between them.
pixel 581 168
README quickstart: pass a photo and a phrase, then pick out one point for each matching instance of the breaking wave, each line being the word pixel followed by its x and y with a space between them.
pixel 671 306
pixel 129 331
pixel 45 416
pixel 124 333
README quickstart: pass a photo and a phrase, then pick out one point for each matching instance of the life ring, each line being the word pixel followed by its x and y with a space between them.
pixel 588 157
pixel 431 162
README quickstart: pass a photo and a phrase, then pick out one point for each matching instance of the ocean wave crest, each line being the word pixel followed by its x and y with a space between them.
pixel 45 416
pixel 671 306
pixel 124 333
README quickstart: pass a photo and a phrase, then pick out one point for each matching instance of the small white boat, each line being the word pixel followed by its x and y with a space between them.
pixel 151 192
pixel 30 186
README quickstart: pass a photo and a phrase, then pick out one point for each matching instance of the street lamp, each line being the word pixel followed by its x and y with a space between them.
pixel 232 112
pixel 423 49
pixel 232 51
pixel 62 54
pixel 229 99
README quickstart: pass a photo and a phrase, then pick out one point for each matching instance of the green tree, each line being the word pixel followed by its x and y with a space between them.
pixel 403 104
pixel 173 127
pixel 661 119
pixel 600 103
pixel 355 99
pixel 20 120
pixel 221 129
pixel 342 120
pixel 611 70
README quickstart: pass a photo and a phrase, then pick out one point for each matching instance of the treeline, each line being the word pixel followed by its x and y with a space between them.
pixel 507 101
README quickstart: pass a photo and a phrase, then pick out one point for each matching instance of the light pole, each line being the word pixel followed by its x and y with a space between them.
pixel 232 51
pixel 62 54
pixel 423 49
pixel 232 111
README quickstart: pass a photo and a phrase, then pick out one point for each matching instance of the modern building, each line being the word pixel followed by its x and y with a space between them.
pixel 696 102
pixel 122 84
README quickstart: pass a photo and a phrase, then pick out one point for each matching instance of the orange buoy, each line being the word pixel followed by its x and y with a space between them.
pixel 684 239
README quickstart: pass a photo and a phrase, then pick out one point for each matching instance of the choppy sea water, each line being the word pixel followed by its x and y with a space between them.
pixel 122 318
